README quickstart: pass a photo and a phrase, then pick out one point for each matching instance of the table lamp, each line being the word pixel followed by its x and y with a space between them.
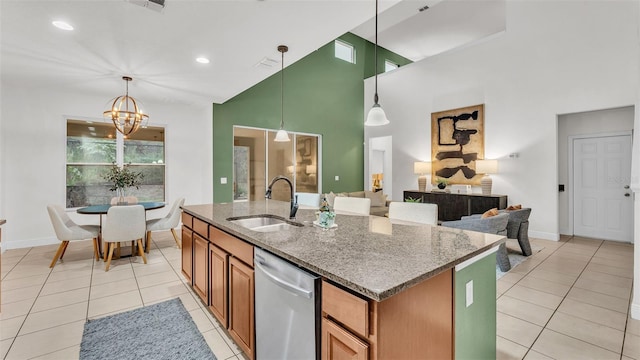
pixel 422 168
pixel 486 167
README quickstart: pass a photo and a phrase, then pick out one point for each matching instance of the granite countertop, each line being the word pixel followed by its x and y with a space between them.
pixel 370 255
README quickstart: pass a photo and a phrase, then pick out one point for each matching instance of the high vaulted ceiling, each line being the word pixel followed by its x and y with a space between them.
pixel 113 38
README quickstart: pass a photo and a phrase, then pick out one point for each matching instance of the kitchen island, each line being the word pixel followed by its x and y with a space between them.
pixel 391 287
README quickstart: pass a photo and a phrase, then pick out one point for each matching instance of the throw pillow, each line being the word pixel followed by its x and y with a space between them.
pixel 377 198
pixel 358 194
pixel 514 207
pixel 490 213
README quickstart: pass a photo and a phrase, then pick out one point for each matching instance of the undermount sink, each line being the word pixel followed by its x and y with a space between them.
pixel 264 223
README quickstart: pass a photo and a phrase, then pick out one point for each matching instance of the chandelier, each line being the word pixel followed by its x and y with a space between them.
pixel 125 112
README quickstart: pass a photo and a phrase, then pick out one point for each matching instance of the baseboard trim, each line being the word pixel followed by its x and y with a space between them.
pixel 544 235
pixel 20 244
pixel 635 310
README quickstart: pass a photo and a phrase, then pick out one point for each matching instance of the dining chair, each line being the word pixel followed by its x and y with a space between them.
pixel 414 212
pixel 309 199
pixel 124 223
pixel 360 206
pixel 169 222
pixel 66 230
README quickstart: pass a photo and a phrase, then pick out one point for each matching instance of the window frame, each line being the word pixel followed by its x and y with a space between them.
pixel 345 44
pixel 120 138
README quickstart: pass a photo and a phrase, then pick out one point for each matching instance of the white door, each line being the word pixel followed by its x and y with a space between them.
pixel 603 202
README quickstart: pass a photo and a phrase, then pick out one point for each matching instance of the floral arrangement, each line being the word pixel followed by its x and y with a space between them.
pixel 122 178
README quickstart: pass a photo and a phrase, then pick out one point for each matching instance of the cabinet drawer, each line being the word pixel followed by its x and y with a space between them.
pixel 187 220
pixel 349 310
pixel 201 227
pixel 233 245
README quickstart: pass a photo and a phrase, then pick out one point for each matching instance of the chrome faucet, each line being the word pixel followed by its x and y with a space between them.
pixel 294 200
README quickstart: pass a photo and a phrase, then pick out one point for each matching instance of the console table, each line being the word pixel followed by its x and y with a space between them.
pixel 454 206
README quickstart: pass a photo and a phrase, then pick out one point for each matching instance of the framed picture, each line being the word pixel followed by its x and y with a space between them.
pixel 457 141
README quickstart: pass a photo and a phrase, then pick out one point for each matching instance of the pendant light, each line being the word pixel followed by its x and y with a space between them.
pixel 125 112
pixel 281 135
pixel 376 116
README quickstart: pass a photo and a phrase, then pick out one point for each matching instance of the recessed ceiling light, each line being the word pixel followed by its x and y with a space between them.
pixel 62 25
pixel 203 60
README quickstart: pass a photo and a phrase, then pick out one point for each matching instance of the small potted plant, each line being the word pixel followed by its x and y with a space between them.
pixel 121 179
pixel 442 183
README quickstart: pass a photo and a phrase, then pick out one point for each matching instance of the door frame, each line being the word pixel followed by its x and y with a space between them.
pixel 570 163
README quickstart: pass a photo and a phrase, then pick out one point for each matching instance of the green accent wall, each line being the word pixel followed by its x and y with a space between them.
pixel 322 95
pixel 475 326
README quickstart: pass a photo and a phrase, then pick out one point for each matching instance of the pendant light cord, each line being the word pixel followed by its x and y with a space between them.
pixel 282 92
pixel 375 56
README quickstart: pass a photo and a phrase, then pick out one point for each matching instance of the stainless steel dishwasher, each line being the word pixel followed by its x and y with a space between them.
pixel 287 310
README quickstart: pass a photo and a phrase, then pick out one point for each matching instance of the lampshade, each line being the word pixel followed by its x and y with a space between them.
pixel 125 112
pixel 311 169
pixel 421 167
pixel 376 116
pixel 282 135
pixel 486 166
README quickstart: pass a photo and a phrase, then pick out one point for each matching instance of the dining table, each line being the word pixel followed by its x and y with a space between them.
pixel 102 209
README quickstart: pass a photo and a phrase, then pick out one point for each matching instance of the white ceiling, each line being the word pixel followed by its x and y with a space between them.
pixel 113 38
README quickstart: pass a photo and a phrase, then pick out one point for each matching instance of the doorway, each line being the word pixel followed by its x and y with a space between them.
pixel 602 200
pixel 380 162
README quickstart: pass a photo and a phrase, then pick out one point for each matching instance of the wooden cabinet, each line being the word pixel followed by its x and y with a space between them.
pixel 454 206
pixel 200 267
pixel 339 344
pixel 241 305
pixel 418 320
pixel 218 283
pixel 220 269
pixel 187 244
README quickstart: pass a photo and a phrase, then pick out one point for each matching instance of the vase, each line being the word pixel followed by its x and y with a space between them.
pixel 121 197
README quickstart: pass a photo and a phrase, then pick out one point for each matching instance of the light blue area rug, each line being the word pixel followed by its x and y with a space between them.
pixel 160 331
pixel 516 258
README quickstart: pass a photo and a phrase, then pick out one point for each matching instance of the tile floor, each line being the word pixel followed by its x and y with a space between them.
pixel 568 301
pixel 44 310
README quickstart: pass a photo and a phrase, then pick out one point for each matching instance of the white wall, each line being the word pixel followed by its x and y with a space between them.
pixel 556 57
pixel 33 148
pixel 585 123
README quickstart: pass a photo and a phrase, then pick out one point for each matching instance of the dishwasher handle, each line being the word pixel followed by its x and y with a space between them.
pixel 288 286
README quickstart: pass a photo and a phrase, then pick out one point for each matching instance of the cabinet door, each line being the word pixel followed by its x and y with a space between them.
pixel 339 344
pixel 200 268
pixel 241 296
pixel 187 253
pixel 218 261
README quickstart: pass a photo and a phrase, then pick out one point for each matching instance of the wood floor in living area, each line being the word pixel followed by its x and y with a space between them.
pixel 568 301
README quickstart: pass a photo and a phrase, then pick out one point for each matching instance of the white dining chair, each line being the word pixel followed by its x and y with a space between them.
pixel 308 199
pixel 169 222
pixel 124 223
pixel 414 212
pixel 360 206
pixel 66 230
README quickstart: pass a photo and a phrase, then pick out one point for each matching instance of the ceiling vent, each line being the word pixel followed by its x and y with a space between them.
pixel 266 63
pixel 155 5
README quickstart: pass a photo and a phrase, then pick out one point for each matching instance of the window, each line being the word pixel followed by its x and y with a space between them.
pixel 345 51
pixel 92 147
pixel 388 66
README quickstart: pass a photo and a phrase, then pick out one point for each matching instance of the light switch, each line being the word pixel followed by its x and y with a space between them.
pixel 469 293
pixel 223 180
pixel 337 178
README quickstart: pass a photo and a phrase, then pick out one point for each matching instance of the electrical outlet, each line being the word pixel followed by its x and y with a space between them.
pixel 223 180
pixel 469 293
pixel 337 178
